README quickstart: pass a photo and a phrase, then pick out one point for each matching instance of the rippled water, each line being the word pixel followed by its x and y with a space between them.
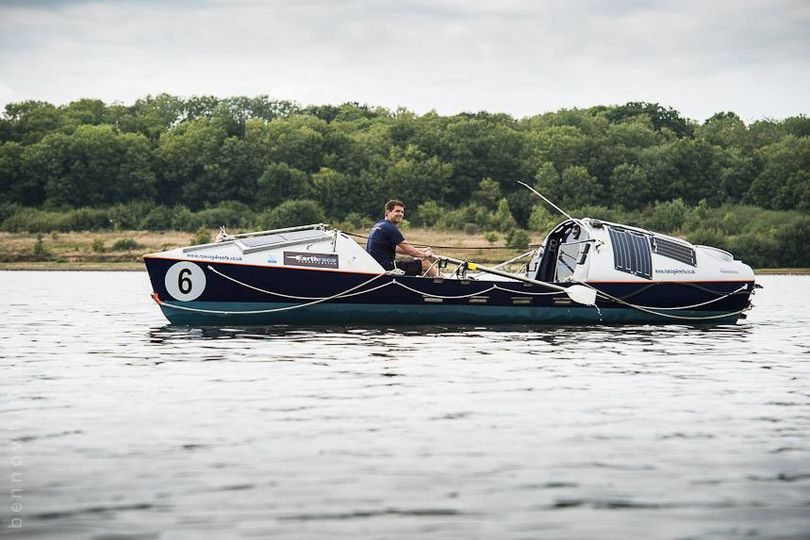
pixel 117 425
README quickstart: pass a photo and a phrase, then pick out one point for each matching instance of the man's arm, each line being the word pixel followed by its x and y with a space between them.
pixel 408 249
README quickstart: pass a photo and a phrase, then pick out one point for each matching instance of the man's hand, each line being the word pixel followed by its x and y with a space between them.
pixel 408 249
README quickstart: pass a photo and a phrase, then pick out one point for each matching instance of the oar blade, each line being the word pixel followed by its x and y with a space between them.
pixel 581 294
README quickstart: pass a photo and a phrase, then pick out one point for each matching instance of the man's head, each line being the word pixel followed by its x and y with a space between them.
pixel 395 211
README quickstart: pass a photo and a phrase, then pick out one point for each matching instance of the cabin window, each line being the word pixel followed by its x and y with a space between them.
pixel 631 252
pixel 569 253
pixel 567 261
pixel 673 250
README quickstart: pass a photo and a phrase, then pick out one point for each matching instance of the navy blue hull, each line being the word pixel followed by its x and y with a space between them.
pixel 251 295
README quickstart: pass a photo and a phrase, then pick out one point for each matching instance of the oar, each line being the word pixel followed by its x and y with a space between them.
pixel 578 293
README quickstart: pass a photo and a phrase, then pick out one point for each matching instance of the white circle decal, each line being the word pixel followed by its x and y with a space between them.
pixel 185 281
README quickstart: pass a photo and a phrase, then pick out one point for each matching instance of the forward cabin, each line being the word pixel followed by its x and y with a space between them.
pixel 587 271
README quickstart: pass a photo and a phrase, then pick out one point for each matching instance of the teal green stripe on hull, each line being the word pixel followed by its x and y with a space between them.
pixel 339 314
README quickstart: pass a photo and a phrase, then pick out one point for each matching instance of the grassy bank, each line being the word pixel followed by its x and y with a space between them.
pixel 124 250
pixel 782 271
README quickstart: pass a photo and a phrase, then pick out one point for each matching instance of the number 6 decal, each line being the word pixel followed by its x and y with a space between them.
pixel 185 281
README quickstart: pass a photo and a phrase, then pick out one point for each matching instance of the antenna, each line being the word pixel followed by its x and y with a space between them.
pixel 557 208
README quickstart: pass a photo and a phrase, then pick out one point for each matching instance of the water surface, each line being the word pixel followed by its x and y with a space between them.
pixel 118 425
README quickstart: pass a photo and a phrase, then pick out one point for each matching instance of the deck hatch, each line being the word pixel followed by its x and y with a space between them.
pixel 631 252
pixel 673 250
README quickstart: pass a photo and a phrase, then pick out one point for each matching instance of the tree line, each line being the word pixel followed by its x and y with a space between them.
pixel 172 157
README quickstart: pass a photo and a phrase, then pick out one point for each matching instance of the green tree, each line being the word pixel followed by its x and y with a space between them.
pixel 488 193
pixel 579 188
pixel 200 164
pixel 12 183
pixel 661 118
pixel 502 218
pixel 630 187
pixel 668 217
pixel 724 129
pixel 150 116
pixel 517 239
pixel 82 112
pixel 339 194
pixel 30 121
pixel 798 126
pixel 737 172
pixel 794 248
pixel 481 146
pixel 186 155
pixel 590 122
pixel 297 141
pixel 290 214
pixel 93 166
pixel 685 168
pixel 621 143
pixel 563 146
pixel 575 187
pixel 541 219
pixel 547 179
pixel 280 182
pixel 428 214
pixel 765 132
pixel 416 179
pixel 784 181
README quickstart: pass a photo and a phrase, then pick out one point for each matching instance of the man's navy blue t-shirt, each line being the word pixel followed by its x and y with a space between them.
pixel 383 241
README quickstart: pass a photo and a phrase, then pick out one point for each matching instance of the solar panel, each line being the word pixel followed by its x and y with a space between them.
pixel 673 250
pixel 259 243
pixel 631 252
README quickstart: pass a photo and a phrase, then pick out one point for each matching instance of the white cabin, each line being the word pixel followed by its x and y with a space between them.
pixel 592 250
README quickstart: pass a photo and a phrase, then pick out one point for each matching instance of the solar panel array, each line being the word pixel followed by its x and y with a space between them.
pixel 631 252
pixel 280 240
pixel 673 250
pixel 283 238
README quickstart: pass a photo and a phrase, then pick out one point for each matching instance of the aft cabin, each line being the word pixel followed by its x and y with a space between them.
pixel 593 250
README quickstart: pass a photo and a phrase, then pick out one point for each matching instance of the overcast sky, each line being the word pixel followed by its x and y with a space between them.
pixel 515 56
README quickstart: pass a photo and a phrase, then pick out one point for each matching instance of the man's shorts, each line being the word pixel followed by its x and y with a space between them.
pixel 411 267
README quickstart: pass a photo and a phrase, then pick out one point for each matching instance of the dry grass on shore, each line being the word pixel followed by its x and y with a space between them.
pixel 84 250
